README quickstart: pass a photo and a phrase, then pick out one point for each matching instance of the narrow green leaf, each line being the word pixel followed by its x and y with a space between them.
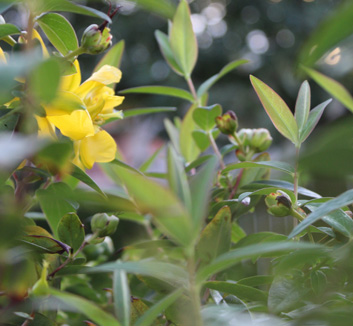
pixel 177 179
pixel 205 86
pixel 160 90
pixel 145 166
pixel 215 238
pixel 233 257
pixel 141 111
pixel 198 162
pixel 166 50
pixel 81 175
pixel 276 165
pixel 8 29
pixel 59 32
pixel 173 133
pixel 91 310
pixel 122 299
pixel 45 80
pixel 151 314
pixel 333 87
pixel 314 117
pixel 183 40
pixel 205 117
pixel 243 292
pixel 112 57
pixel 124 165
pixel 277 110
pixel 256 280
pixel 163 8
pixel 71 230
pixel 302 106
pixel 237 232
pixel 342 200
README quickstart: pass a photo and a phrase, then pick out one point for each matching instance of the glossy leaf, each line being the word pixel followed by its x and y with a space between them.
pixel 342 200
pixel 278 111
pixel 205 86
pixel 183 40
pixel 122 299
pixel 152 313
pixel 91 310
pixel 302 106
pixel 59 32
pixel 281 166
pixel 165 48
pixel 313 119
pixel 8 29
pixel 215 238
pixel 112 57
pixel 332 87
pixel 205 117
pixel 71 230
pixel 141 111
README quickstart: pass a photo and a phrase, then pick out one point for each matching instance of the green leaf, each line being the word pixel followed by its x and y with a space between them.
pixel 81 175
pixel 145 166
pixel 8 122
pixel 332 87
pixel 173 133
pixel 243 292
pixel 215 238
pixel 314 117
pixel 8 29
pixel 205 86
pixel 71 230
pixel 56 201
pixel 276 165
pixel 44 80
pixel 141 111
pixel 183 40
pixel 59 32
pixel 237 232
pixel 342 200
pixel 67 6
pixel 205 117
pixel 233 257
pixel 163 8
pixel 302 106
pixel 160 90
pixel 112 57
pixel 265 191
pixel 151 314
pixel 201 139
pixel 256 280
pixel 198 162
pixel 177 178
pixel 122 299
pixel 91 310
pixel 166 50
pixel 277 110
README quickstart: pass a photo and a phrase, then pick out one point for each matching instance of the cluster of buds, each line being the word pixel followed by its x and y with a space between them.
pixel 104 225
pixel 95 39
pixel 278 204
pixel 227 123
pixel 258 140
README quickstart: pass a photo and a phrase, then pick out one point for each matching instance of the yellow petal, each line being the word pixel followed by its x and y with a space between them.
pixel 72 82
pixel 45 128
pixel 111 102
pixel 98 148
pixel 76 159
pixel 2 56
pixel 64 103
pixel 37 36
pixel 76 125
pixel 115 114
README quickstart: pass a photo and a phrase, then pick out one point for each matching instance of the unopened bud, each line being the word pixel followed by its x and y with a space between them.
pixel 278 204
pixel 245 136
pixel 227 123
pixel 95 41
pixel 103 224
pixel 260 140
pixel 41 287
pixel 240 155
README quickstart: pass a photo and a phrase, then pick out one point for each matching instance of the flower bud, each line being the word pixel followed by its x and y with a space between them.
pixel 245 136
pixel 260 140
pixel 103 224
pixel 41 287
pixel 95 41
pixel 240 155
pixel 278 204
pixel 227 123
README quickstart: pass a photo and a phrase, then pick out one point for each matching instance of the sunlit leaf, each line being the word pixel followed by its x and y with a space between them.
pixel 8 29
pixel 302 106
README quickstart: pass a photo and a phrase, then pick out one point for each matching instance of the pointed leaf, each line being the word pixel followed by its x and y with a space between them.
pixel 342 200
pixel 205 117
pixel 314 117
pixel 302 106
pixel 122 300
pixel 333 87
pixel 112 57
pixel 278 111
pixel 198 162
pixel 205 86
pixel 183 40
pixel 59 32
pixel 144 166
pixel 276 165
pixel 160 90
pixel 71 230
pixel 165 48
pixel 8 29
pixel 141 111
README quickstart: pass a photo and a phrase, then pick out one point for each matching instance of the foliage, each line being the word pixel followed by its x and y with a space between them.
pixel 197 265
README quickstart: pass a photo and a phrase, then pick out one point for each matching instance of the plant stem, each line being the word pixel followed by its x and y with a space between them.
pixel 296 176
pixel 74 53
pixel 194 294
pixel 192 89
pixel 216 150
pixel 238 141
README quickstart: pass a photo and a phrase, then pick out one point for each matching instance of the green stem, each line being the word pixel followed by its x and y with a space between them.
pixel 296 176
pixel 297 215
pixel 192 90
pixel 194 294
pixel 74 53
pixel 216 150
pixel 241 147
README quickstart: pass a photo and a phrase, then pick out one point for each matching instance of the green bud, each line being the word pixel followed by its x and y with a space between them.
pixel 227 123
pixel 95 41
pixel 278 204
pixel 103 224
pixel 260 140
pixel 240 155
pixel 41 287
pixel 245 136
